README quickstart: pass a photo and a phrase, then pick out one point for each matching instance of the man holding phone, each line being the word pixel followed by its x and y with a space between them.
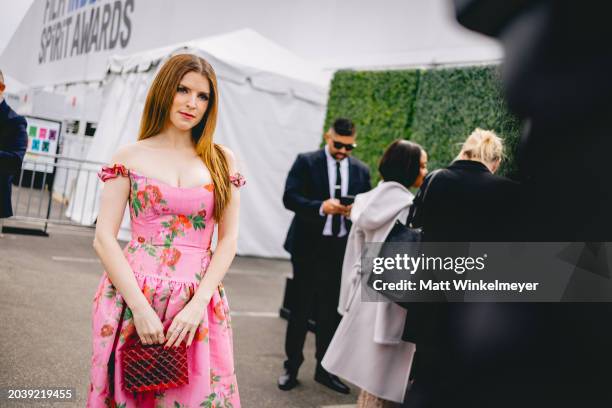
pixel 319 190
pixel 13 144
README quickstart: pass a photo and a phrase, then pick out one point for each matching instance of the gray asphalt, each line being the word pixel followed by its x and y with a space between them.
pixel 46 289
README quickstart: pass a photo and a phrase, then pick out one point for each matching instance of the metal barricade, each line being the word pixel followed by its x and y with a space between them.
pixel 55 190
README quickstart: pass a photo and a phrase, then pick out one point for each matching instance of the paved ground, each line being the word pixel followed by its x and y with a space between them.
pixel 46 288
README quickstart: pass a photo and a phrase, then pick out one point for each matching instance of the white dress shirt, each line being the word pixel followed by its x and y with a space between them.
pixel 344 174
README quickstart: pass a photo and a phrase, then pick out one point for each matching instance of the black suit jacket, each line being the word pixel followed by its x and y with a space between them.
pixel 306 188
pixel 13 144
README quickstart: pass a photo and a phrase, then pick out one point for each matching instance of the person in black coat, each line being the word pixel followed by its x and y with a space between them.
pixel 466 202
pixel 556 78
pixel 13 144
pixel 316 241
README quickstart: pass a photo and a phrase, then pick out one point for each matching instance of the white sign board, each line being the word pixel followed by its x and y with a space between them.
pixel 43 140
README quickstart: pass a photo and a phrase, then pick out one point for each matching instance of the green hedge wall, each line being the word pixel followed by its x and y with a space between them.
pixel 381 105
pixel 435 108
pixel 451 103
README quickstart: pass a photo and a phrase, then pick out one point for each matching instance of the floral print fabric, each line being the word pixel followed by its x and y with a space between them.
pixel 169 253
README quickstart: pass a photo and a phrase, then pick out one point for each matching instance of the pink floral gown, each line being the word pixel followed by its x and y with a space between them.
pixel 169 252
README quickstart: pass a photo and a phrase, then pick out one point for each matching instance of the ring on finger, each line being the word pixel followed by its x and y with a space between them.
pixel 183 333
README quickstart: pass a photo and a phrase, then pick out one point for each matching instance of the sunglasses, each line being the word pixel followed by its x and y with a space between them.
pixel 347 146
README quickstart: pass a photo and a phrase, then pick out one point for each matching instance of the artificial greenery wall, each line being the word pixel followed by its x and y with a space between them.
pixel 451 103
pixel 435 108
pixel 381 105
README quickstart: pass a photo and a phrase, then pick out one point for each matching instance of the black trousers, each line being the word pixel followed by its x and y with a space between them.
pixel 317 287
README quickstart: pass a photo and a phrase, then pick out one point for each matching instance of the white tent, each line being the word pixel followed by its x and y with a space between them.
pixel 272 106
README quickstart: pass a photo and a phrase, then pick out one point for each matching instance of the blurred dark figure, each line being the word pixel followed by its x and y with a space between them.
pixel 13 144
pixel 557 79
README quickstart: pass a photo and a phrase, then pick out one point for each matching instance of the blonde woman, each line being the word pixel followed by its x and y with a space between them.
pixel 455 342
pixel 465 199
pixel 165 286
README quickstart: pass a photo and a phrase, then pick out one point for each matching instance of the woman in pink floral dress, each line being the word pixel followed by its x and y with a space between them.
pixel 178 185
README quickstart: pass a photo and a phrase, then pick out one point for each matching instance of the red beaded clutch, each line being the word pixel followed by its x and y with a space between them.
pixel 154 368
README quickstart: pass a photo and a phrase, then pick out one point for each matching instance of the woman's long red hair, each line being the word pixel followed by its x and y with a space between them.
pixel 156 116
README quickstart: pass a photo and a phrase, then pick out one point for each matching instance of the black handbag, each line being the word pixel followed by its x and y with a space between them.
pixel 402 233
pixel 405 232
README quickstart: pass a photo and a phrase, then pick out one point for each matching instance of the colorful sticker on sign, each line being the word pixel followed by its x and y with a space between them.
pixel 45 146
pixel 35 144
pixel 33 131
pixel 52 134
pixel 42 134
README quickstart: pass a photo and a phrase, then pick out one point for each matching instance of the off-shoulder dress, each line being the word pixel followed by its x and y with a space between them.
pixel 169 253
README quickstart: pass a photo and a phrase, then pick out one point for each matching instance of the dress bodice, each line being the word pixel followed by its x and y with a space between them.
pixel 169 216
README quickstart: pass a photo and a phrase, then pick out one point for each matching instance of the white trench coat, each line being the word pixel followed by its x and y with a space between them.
pixel 367 349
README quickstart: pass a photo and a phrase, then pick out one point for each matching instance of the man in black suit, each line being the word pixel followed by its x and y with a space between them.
pixel 13 144
pixel 316 241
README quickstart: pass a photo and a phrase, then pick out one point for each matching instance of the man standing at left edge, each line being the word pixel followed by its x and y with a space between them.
pixel 13 144
pixel 316 241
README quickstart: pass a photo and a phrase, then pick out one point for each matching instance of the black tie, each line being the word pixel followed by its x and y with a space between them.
pixel 337 193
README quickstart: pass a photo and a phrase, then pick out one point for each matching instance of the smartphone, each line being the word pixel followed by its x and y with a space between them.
pixel 347 200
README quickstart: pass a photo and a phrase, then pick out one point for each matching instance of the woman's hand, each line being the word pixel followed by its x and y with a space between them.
pixel 148 326
pixel 185 323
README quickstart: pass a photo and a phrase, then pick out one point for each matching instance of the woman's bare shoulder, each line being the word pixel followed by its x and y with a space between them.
pixel 129 154
pixel 229 154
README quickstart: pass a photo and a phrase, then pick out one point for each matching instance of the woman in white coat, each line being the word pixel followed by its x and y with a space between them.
pixel 367 348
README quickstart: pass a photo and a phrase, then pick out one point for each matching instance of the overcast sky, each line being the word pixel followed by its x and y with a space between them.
pixel 12 11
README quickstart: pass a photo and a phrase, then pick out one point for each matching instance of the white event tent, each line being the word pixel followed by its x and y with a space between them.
pixel 272 106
